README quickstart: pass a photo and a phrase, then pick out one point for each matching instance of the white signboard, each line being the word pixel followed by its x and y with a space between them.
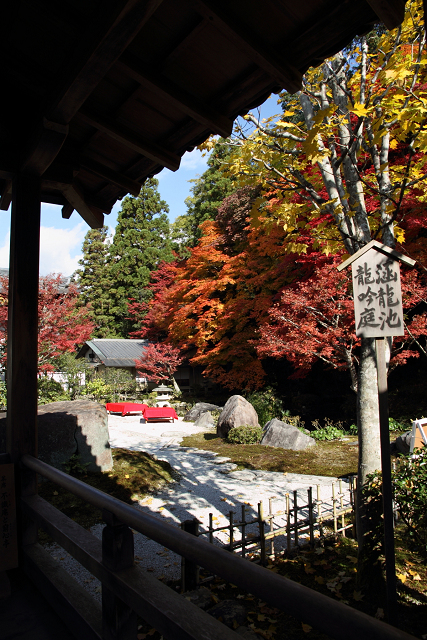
pixel 377 295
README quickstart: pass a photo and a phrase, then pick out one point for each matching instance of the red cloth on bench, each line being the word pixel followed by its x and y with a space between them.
pixel 157 413
pixel 125 407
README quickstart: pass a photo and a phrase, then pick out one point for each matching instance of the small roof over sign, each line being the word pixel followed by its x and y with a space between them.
pixel 374 244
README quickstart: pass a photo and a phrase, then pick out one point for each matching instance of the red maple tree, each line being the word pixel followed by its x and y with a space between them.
pixel 159 361
pixel 62 324
pixel 314 320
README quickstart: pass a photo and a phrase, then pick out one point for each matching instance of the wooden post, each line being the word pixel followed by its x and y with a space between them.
pixel 319 512
pixel 189 570
pixel 288 523
pixel 353 485
pixel 270 518
pixel 231 528
pixel 119 621
pixel 334 509
pixel 243 530
pixel 390 562
pixel 21 435
pixel 210 528
pixel 310 515
pixel 295 518
pixel 261 532
pixel 341 495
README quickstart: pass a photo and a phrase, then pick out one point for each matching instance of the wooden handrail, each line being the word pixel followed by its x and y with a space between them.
pixel 172 615
pixel 329 616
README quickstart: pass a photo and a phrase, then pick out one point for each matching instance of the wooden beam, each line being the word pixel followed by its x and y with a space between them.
pixel 175 95
pixel 151 150
pixel 100 47
pixel 74 605
pixel 67 210
pixel 101 170
pixel 44 146
pixel 76 199
pixel 288 76
pixel 391 12
pixel 5 195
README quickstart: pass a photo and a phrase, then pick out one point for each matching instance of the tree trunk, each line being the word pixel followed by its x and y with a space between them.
pixel 367 412
pixel 368 427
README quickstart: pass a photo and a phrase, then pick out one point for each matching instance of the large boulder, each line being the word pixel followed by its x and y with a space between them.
pixel 72 427
pixel 237 412
pixel 199 409
pixel 205 420
pixel 279 434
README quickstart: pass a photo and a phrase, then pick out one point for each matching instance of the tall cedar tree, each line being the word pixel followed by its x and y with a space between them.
pixel 94 281
pixel 141 241
pixel 208 193
pixel 63 325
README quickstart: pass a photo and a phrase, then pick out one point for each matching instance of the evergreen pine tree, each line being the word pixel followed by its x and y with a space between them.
pixel 94 282
pixel 141 241
pixel 208 193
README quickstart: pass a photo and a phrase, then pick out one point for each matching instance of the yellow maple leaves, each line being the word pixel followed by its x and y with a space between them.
pixel 360 109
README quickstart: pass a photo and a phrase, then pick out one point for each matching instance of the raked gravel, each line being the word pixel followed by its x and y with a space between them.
pixel 208 484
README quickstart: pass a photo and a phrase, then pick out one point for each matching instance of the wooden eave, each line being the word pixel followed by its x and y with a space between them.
pixel 102 95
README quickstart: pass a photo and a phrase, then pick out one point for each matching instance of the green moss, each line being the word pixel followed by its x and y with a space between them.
pixel 334 458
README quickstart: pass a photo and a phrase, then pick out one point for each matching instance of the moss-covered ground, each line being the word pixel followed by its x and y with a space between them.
pixel 331 458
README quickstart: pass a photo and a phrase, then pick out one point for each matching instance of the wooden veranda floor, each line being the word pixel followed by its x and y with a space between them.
pixel 26 615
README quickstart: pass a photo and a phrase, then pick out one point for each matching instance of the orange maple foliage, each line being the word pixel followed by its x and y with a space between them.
pixel 215 300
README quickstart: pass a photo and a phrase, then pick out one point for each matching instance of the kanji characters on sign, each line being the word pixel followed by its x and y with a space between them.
pixel 377 295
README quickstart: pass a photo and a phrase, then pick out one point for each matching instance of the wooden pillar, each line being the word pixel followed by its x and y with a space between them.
pixel 22 327
pixel 189 570
pixel 387 490
pixel 119 621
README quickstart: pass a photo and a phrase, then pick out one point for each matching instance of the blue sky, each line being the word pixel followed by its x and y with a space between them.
pixel 61 240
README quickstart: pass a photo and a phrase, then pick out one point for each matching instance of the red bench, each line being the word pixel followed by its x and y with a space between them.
pixel 125 407
pixel 159 413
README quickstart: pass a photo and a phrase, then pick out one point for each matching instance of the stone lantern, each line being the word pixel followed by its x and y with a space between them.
pixel 164 394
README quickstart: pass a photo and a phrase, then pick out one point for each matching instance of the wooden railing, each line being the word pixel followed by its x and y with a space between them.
pixel 127 590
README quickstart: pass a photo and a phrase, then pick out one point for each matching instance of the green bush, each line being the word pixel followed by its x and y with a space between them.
pixel 410 494
pixel 245 434
pixel 329 432
pixel 266 404
pixel 98 388
pixel 397 425
pixel 394 425
pixel 48 390
pixel 409 480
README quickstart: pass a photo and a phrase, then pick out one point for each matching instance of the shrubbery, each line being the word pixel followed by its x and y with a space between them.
pixel 329 432
pixel 245 434
pixel 409 480
pixel 410 494
pixel 266 404
pixel 49 390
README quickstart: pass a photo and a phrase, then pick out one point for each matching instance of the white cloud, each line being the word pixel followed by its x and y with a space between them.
pixel 192 160
pixel 60 249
